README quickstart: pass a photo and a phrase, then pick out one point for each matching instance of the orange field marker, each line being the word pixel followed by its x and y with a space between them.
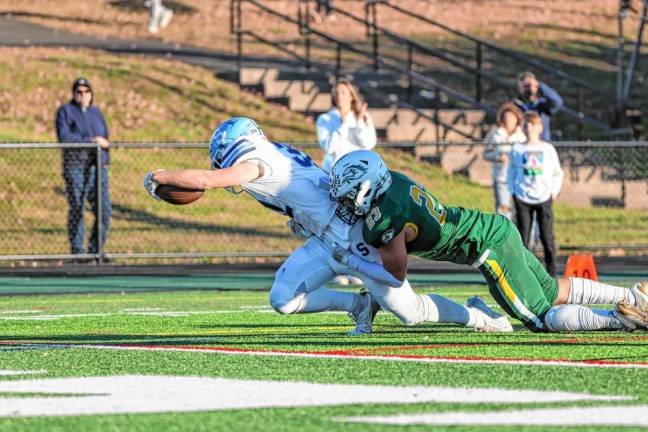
pixel 581 266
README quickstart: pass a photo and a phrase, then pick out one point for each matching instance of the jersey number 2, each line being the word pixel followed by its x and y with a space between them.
pixel 434 207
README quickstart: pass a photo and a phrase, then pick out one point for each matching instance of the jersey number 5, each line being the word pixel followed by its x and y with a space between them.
pixel 434 207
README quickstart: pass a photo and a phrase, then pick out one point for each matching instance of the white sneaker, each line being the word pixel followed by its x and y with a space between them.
pixel 341 280
pixel 363 318
pixel 488 321
pixel 630 316
pixel 167 15
pixel 640 291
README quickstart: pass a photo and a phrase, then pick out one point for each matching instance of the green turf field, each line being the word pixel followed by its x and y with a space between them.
pixel 205 359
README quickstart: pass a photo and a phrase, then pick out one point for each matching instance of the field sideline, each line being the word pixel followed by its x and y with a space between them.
pixel 224 360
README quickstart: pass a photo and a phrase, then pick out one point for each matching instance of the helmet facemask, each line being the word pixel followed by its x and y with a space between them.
pixel 355 204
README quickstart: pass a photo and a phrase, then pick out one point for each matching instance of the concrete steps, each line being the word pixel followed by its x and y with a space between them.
pixel 307 92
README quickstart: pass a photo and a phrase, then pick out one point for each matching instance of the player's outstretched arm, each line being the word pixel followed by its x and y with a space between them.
pixel 394 256
pixel 239 174
pixel 372 270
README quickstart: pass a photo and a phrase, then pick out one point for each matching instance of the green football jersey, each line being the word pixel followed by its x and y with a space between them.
pixel 444 233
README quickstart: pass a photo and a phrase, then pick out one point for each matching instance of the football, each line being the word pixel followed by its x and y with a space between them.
pixel 178 195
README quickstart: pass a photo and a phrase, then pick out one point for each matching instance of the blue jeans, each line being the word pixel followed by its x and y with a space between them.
pixel 81 184
pixel 503 199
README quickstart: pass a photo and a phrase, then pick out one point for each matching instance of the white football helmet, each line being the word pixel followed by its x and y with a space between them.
pixel 358 179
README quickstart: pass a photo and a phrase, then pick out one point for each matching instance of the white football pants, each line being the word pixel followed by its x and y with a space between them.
pixel 311 266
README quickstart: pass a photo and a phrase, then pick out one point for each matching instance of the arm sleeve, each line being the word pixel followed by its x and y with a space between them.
pixel 63 131
pixel 374 271
pixel 365 133
pixel 490 149
pixel 105 125
pixel 554 101
pixel 558 175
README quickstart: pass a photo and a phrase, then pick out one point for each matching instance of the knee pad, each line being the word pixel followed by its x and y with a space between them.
pixel 286 307
pixel 285 299
pixel 562 318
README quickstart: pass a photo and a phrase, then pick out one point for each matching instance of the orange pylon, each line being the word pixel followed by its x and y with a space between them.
pixel 581 266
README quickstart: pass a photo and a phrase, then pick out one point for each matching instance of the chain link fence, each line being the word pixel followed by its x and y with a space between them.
pixel 604 201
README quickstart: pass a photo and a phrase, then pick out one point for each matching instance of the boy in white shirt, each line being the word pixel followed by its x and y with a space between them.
pixel 535 178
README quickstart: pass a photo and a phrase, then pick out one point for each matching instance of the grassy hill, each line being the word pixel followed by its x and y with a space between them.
pixel 158 100
pixel 142 98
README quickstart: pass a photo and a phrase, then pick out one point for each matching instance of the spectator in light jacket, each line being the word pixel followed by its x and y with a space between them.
pixel 498 144
pixel 346 127
pixel 539 97
pixel 535 178
pixel 80 122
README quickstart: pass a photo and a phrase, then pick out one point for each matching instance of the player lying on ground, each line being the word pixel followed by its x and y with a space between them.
pixel 401 217
pixel 287 181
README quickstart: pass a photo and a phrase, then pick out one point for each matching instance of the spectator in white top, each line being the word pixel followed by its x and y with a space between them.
pixel 498 144
pixel 346 127
pixel 159 15
pixel 535 178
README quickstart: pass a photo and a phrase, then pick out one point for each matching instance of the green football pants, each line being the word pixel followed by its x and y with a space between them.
pixel 518 281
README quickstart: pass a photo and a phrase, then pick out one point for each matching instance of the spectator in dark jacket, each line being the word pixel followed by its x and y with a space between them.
pixel 80 122
pixel 539 97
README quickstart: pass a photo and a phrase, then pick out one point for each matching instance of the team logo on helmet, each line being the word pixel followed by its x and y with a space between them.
pixel 353 172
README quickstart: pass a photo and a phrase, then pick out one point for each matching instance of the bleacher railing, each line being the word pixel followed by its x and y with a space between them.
pixel 603 204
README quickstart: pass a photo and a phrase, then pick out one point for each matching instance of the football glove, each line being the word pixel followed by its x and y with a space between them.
pixel 341 255
pixel 298 230
pixel 150 185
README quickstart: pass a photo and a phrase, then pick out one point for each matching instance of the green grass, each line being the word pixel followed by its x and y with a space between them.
pixel 243 327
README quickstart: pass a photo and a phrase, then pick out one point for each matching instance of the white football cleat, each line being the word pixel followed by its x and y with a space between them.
pixel 640 291
pixel 488 321
pixel 630 316
pixel 486 324
pixel 477 303
pixel 363 318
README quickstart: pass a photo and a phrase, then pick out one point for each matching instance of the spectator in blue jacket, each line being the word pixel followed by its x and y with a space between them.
pixel 538 97
pixel 80 122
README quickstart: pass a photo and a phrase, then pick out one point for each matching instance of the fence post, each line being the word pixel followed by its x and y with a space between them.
pixel 581 116
pixel 374 26
pixel 231 11
pixel 99 198
pixel 437 126
pixel 239 41
pixel 367 5
pixel 338 62
pixel 478 76
pixel 409 72
pixel 307 39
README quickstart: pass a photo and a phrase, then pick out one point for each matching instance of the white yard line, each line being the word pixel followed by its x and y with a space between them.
pixel 19 372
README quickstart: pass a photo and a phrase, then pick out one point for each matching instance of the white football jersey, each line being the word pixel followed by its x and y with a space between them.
pixel 292 185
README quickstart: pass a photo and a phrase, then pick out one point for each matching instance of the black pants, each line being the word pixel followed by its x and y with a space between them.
pixel 325 6
pixel 544 215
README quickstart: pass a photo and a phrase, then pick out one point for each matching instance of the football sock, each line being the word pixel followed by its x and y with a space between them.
pixel 579 318
pixel 446 311
pixel 586 291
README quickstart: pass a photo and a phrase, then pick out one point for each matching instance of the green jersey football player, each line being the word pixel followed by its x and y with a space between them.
pixel 402 217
